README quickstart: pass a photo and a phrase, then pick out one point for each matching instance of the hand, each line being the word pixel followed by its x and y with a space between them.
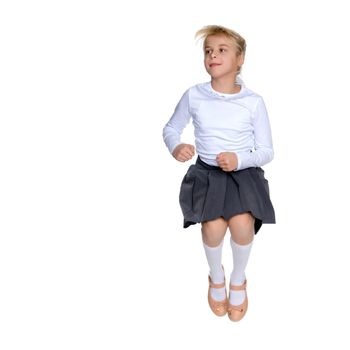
pixel 227 161
pixel 183 152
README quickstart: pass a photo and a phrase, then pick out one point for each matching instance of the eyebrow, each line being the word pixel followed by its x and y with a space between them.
pixel 219 45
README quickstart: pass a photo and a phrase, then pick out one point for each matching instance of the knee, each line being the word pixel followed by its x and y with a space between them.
pixel 213 231
pixel 242 221
pixel 215 226
pixel 242 228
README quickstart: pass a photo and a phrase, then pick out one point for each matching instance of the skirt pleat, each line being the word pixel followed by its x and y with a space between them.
pixel 207 193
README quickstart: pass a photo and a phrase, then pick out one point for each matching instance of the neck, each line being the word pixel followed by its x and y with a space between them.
pixel 225 85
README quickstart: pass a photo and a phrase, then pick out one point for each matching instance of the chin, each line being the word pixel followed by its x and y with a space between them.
pixel 215 76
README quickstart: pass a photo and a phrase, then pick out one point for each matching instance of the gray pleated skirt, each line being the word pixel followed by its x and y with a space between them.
pixel 207 193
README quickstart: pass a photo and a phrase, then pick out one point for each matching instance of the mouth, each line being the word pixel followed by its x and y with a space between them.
pixel 214 65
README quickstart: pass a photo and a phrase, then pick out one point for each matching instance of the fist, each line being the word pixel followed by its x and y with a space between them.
pixel 183 152
pixel 227 161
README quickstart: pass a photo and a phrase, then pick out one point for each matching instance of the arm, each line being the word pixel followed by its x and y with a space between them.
pixel 174 127
pixel 263 153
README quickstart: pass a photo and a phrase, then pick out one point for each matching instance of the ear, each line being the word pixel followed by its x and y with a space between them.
pixel 240 60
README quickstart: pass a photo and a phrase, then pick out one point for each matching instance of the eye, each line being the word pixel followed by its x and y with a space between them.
pixel 209 50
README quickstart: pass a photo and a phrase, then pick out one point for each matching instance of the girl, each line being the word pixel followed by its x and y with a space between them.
pixel 226 187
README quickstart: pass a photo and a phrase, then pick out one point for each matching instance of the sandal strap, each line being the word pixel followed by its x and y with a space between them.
pixel 242 287
pixel 216 285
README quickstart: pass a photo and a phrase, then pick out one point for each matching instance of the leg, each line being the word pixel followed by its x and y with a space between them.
pixel 242 228
pixel 213 233
pixel 242 234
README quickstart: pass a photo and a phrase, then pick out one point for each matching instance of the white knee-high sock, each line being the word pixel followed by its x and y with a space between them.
pixel 240 259
pixel 217 274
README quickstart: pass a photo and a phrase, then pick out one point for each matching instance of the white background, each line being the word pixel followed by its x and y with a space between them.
pixel 93 254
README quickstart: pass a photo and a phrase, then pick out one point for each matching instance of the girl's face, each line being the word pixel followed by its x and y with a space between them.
pixel 220 58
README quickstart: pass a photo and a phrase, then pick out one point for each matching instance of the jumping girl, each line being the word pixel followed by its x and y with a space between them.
pixel 226 187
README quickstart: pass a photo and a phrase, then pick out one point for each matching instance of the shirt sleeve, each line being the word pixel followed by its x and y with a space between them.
pixel 263 151
pixel 174 127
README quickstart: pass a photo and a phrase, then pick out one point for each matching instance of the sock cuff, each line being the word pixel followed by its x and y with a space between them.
pixel 240 246
pixel 214 248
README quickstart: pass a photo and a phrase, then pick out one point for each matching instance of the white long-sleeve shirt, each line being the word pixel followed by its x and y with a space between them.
pixel 222 122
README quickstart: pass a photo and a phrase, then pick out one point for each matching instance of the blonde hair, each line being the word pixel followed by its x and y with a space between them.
pixel 238 40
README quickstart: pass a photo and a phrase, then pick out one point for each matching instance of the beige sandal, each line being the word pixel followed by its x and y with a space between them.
pixel 237 312
pixel 218 307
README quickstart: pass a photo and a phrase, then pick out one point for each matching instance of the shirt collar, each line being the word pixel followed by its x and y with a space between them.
pixel 239 81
